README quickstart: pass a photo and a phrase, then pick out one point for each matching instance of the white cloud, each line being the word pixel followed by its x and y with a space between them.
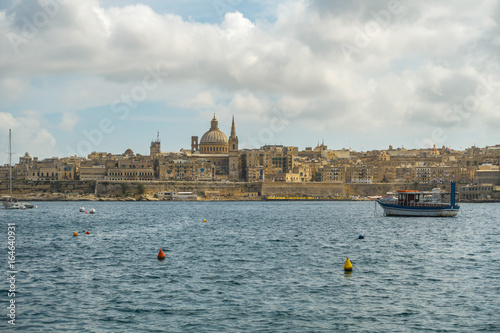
pixel 203 100
pixel 235 26
pixel 406 71
pixel 249 107
pixel 69 120
pixel 12 88
pixel 28 134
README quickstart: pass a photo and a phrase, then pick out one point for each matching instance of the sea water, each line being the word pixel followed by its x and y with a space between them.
pixel 252 266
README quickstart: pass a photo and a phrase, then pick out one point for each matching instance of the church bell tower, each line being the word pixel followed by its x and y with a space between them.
pixel 234 165
pixel 155 149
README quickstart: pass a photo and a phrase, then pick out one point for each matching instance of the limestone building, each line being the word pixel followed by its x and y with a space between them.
pixel 216 148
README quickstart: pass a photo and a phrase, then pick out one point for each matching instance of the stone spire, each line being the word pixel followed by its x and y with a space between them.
pixel 233 160
pixel 233 130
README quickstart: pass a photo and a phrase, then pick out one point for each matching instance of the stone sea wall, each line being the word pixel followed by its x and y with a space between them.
pixel 303 189
pixel 92 190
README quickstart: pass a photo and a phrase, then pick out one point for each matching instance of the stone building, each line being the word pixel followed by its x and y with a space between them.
pixel 94 172
pixel 216 148
pixel 477 192
pixel 488 174
pixel 155 148
pixel 269 163
pixel 175 167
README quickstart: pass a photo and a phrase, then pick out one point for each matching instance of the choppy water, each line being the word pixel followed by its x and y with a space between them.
pixel 254 266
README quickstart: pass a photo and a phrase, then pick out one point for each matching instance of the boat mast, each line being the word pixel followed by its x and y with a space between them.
pixel 10 163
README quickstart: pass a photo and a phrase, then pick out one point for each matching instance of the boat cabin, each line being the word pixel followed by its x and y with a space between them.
pixel 408 197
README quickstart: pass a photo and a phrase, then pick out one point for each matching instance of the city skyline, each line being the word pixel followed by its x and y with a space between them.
pixel 107 75
pixel 187 147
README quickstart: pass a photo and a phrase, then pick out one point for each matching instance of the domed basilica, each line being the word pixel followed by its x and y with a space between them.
pixel 218 149
pixel 214 141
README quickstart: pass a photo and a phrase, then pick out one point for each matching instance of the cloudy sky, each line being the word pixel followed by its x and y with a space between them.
pixel 106 75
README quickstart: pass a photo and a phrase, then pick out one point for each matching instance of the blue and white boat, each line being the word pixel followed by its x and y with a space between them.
pixel 420 203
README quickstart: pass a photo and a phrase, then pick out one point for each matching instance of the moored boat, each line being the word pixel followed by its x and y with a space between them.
pixel 10 203
pixel 420 203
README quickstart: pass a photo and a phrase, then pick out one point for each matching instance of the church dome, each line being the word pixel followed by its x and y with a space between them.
pixel 214 135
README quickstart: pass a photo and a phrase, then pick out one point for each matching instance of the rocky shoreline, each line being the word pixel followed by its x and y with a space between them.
pixel 37 197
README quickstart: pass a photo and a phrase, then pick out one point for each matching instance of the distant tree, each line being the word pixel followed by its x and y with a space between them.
pixel 141 189
pixel 125 188
pixel 56 186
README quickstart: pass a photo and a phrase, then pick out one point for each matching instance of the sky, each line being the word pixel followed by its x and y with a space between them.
pixel 108 75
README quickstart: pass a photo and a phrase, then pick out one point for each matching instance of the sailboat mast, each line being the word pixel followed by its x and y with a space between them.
pixel 10 163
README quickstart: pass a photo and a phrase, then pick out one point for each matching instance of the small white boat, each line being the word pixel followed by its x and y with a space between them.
pixel 12 205
pixel 9 203
pixel 28 205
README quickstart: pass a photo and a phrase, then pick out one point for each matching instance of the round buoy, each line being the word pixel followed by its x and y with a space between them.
pixel 348 265
pixel 92 211
pixel 88 232
pixel 86 212
pixel 82 209
pixel 361 237
pixel 75 234
pixel 161 255
pixel 204 220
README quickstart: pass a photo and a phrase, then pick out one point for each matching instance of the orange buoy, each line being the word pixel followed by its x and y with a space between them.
pixel 86 212
pixel 88 232
pixel 161 255
pixel 75 234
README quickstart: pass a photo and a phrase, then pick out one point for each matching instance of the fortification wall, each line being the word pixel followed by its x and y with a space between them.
pixel 219 189
pixel 108 188
pixel 303 189
pixel 200 188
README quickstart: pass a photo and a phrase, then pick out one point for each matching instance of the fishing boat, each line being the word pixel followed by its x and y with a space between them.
pixel 9 203
pixel 420 203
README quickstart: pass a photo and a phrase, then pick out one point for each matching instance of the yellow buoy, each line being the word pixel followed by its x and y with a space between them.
pixel 75 234
pixel 348 265
pixel 204 220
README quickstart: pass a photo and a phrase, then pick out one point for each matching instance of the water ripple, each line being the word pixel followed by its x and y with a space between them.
pixel 265 267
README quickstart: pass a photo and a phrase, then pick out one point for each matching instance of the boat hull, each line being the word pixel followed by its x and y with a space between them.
pixel 13 205
pixel 419 211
